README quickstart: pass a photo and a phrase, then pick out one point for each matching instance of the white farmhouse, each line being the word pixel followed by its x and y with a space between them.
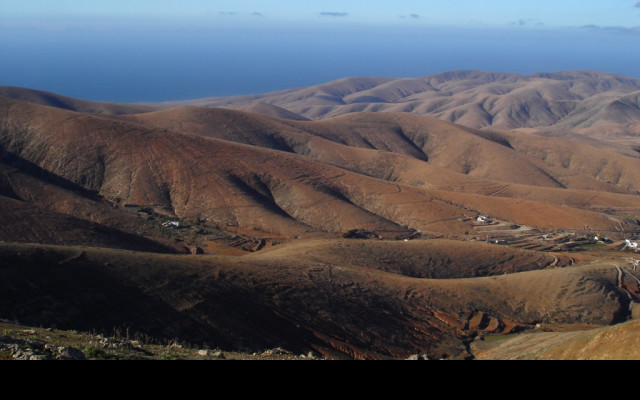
pixel 632 245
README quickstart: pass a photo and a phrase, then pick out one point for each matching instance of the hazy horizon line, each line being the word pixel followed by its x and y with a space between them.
pixel 320 83
pixel 333 20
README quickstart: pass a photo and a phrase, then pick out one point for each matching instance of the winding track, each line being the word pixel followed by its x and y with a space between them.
pixel 620 282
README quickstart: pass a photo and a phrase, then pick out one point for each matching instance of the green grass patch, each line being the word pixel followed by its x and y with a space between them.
pixel 496 338
pixel 168 356
pixel 588 247
pixel 5 356
pixel 95 353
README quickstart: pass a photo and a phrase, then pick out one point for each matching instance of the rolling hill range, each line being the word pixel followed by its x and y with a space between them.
pixel 364 235
pixel 504 157
pixel 264 183
pixel 590 103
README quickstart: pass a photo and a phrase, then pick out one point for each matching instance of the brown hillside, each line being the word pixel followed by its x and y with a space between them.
pixel 453 153
pixel 191 177
pixel 321 235
pixel 620 342
pixel 270 111
pixel 515 158
pixel 591 103
pixel 41 193
pixel 439 259
pixel 25 223
pixel 234 184
pixel 67 103
pixel 347 142
pixel 258 303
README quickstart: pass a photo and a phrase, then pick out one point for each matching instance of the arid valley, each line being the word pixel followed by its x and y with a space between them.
pixel 465 215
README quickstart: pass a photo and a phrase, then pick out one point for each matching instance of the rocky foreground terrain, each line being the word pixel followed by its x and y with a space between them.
pixel 21 343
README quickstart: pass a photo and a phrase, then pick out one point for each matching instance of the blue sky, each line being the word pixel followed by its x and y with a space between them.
pixel 157 50
pixel 493 13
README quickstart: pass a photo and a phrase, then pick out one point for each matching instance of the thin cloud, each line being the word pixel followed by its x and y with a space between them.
pixel 334 14
pixel 257 14
pixel 475 22
pixel 415 16
pixel 228 13
pixel 528 22
pixel 613 29
pixel 637 5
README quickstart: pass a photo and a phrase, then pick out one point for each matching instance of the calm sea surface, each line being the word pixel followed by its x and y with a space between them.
pixel 130 65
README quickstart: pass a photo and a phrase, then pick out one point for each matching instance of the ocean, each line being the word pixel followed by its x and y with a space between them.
pixel 152 64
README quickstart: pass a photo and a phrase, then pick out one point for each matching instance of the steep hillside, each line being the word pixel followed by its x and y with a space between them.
pixel 452 153
pixel 431 154
pixel 247 186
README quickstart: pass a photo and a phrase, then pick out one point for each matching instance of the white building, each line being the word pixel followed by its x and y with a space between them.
pixel 632 245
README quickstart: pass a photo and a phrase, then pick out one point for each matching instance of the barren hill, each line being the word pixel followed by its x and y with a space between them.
pixel 301 304
pixel 442 259
pixel 79 192
pixel 596 104
pixel 430 154
pixel 69 103
pixel 25 223
pixel 620 342
pixel 235 184
pixel 271 111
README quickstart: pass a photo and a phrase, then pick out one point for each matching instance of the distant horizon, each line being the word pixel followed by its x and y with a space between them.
pixel 160 51
pixel 170 100
pixel 325 82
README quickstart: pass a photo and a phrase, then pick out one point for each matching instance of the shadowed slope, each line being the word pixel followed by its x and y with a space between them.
pixel 22 222
pixel 258 303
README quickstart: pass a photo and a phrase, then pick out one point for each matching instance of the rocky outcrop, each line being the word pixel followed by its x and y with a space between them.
pixel 33 350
